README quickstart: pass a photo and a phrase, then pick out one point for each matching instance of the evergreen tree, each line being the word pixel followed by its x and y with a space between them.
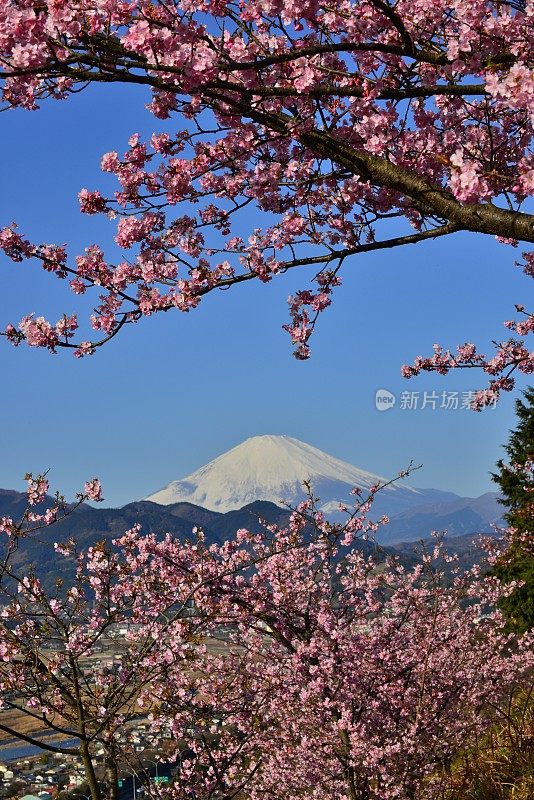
pixel 517 488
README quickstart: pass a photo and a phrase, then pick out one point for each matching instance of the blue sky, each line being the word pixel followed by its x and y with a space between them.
pixel 177 390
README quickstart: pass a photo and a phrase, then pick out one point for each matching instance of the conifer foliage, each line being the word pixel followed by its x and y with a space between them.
pixel 516 482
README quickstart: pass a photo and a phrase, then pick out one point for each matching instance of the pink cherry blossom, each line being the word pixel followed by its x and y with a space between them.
pixel 341 672
pixel 93 489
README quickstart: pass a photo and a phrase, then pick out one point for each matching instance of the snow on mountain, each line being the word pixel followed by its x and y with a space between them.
pixel 273 468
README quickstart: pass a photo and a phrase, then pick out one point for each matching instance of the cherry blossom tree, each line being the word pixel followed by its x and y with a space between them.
pixel 66 664
pixel 346 127
pixel 308 668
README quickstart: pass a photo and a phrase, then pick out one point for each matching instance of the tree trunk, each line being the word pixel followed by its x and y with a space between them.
pixel 90 776
pixel 112 778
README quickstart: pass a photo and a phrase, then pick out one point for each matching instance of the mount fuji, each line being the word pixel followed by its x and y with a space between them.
pixel 273 468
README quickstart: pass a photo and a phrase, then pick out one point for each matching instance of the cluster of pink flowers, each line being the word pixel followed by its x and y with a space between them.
pixel 7 525
pixel 91 202
pixel 38 332
pixel 137 229
pixel 14 245
pixel 37 489
pixel 93 490
pixel 301 327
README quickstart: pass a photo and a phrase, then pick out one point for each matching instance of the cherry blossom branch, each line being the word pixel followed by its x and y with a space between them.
pixel 511 356
pixel 38 332
pixel 329 120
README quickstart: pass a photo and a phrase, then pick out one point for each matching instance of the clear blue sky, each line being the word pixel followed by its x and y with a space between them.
pixel 176 391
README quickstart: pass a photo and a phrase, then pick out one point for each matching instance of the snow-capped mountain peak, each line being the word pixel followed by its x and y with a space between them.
pixel 273 468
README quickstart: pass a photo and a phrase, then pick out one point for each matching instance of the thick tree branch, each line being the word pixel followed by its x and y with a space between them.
pixel 38 742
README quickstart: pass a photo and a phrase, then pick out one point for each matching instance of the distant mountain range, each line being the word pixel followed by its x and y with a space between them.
pixel 249 482
pixel 273 468
pixel 464 515
pixel 88 525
